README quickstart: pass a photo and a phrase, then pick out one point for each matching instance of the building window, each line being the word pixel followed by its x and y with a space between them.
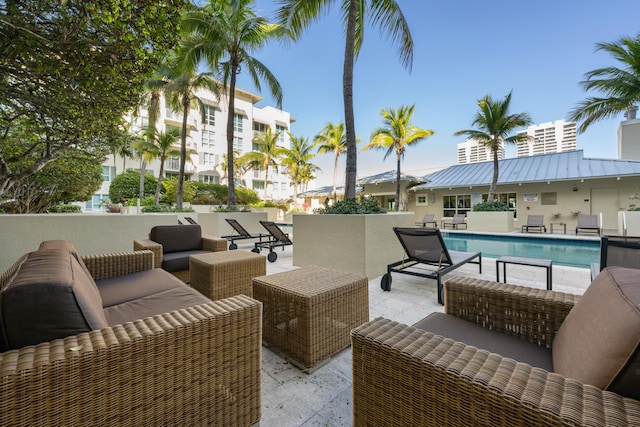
pixel 108 173
pixel 281 131
pixel 421 200
pixel 283 185
pixel 259 127
pixel 208 137
pixel 237 122
pixel 258 185
pixel 256 146
pixel 209 179
pixel 238 144
pixel 456 204
pixel 208 159
pixel 173 129
pixel 95 204
pixel 208 115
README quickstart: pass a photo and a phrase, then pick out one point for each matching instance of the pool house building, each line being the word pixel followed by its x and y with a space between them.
pixel 558 186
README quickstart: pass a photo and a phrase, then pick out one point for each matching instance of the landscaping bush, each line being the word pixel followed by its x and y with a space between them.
pixel 65 209
pixel 366 205
pixel 155 209
pixel 127 186
pixel 491 206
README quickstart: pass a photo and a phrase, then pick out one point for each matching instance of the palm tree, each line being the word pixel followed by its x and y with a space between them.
pixel 620 86
pixel 147 152
pixel 267 155
pixel 296 160
pixel 332 139
pixel 182 84
pixel 494 124
pixel 226 34
pixel 398 134
pixel 296 15
pixel 164 144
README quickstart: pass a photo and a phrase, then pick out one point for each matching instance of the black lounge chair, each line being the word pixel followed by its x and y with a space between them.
pixel 425 246
pixel 457 221
pixel 534 222
pixel 588 223
pixel 276 238
pixel 242 234
pixel 621 251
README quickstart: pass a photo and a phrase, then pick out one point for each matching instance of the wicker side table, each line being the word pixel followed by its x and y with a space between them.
pixel 225 274
pixel 308 313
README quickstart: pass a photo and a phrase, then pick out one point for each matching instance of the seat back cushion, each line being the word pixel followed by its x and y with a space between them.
pixel 49 297
pixel 65 245
pixel 599 341
pixel 177 238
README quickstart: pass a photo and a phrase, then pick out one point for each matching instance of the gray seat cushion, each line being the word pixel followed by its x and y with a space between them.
pixel 179 261
pixel 122 289
pixel 495 342
pixel 177 238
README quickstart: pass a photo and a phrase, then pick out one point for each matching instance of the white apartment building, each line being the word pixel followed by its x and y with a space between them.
pixel 546 138
pixel 207 142
pixel 471 151
pixel 629 136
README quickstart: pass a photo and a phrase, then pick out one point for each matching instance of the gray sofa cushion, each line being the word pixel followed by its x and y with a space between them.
pixel 177 238
pixel 49 297
pixel 599 341
pixel 122 289
pixel 179 261
pixel 495 342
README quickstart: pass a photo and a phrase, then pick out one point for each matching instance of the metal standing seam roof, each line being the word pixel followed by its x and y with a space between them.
pixel 325 191
pixel 570 165
pixel 389 176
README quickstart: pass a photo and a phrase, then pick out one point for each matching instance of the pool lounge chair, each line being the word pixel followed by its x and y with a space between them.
pixel 242 234
pixel 458 220
pixel 427 219
pixel 276 238
pixel 424 246
pixel 534 222
pixel 620 251
pixel 588 223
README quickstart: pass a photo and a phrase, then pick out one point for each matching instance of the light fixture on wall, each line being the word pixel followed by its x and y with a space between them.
pixel 575 188
pixel 433 197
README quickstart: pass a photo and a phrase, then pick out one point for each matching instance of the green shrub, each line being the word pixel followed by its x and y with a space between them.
pixel 366 205
pixel 127 186
pixel 65 209
pixel 155 209
pixel 633 207
pixel 491 206
pixel 183 210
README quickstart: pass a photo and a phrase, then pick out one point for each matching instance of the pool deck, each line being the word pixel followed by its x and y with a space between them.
pixel 323 398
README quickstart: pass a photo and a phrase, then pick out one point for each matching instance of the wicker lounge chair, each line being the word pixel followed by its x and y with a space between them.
pixel 242 234
pixel 456 222
pixel 623 251
pixel 427 219
pixel 588 223
pixel 419 376
pixel 535 222
pixel 424 246
pixel 276 238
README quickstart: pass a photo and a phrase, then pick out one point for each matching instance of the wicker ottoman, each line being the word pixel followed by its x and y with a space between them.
pixel 308 313
pixel 225 274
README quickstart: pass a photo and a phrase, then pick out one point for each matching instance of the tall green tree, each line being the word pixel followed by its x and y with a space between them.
pixel 267 155
pixel 397 135
pixel 183 81
pixel 226 34
pixel 146 151
pixel 619 86
pixel 164 143
pixel 296 15
pixel 332 139
pixel 69 72
pixel 297 161
pixel 494 126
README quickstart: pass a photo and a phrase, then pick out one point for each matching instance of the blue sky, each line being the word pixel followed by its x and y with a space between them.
pixel 463 51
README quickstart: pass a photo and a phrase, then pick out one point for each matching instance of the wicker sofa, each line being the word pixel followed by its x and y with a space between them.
pixel 408 376
pixel 195 364
pixel 172 245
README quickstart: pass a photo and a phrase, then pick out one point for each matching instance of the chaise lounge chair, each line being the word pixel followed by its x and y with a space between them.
pixel 534 222
pixel 427 219
pixel 242 234
pixel 276 238
pixel 458 220
pixel 588 223
pixel 423 246
pixel 621 251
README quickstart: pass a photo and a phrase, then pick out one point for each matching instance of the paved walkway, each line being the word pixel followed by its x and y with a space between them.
pixel 323 398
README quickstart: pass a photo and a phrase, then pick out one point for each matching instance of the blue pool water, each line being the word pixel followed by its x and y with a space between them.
pixel 568 252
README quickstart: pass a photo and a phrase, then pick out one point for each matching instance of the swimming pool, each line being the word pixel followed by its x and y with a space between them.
pixel 568 252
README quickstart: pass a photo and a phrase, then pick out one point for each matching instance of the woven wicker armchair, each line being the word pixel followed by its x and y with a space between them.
pixel 403 376
pixel 191 367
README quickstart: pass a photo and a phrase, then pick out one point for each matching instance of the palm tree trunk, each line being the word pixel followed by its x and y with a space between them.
pixel 398 185
pixel 156 199
pixel 231 195
pixel 183 149
pixel 143 166
pixel 494 182
pixel 266 181
pixel 335 178
pixel 349 120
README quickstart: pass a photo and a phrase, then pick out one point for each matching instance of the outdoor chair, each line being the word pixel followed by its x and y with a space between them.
pixel 622 251
pixel 534 222
pixel 423 246
pixel 242 234
pixel 588 223
pixel 457 221
pixel 427 219
pixel 276 238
